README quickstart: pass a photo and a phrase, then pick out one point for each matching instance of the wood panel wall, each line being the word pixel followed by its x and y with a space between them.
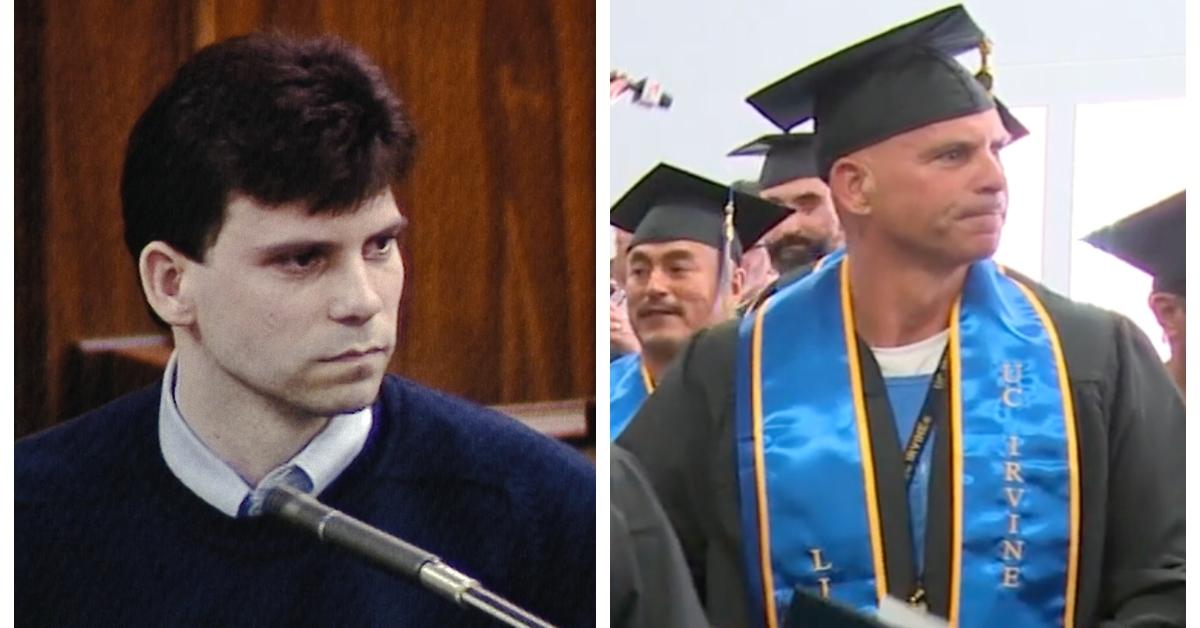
pixel 499 304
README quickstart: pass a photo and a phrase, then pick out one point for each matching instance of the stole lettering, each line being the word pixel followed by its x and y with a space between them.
pixel 1012 546
pixel 1010 375
pixel 820 566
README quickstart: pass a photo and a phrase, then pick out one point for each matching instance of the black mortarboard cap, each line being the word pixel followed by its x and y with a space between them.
pixel 901 80
pixel 1151 240
pixel 747 186
pixel 788 156
pixel 672 204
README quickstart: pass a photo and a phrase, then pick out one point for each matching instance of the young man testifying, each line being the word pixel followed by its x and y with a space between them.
pixel 257 204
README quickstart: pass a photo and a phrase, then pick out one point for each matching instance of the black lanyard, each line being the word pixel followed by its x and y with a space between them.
pixel 924 425
pixel 916 444
pixel 912 455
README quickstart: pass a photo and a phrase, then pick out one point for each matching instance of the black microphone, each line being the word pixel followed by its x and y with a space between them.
pixel 391 554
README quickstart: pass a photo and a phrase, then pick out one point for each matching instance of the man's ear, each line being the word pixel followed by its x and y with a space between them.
pixel 850 184
pixel 737 282
pixel 163 271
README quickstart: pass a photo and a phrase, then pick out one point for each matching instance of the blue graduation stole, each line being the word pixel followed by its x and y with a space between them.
pixel 809 506
pixel 630 384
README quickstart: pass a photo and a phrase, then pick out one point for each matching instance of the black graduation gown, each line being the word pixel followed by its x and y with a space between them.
pixel 651 586
pixel 1131 436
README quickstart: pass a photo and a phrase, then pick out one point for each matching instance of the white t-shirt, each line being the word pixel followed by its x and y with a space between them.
pixel 918 358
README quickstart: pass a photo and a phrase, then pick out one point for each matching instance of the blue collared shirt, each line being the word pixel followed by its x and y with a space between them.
pixel 214 481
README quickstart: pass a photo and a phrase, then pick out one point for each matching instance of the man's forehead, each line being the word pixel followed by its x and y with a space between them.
pixel 796 187
pixel 670 248
pixel 251 220
pixel 985 125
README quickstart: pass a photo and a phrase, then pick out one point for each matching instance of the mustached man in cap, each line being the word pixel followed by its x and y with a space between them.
pixel 681 269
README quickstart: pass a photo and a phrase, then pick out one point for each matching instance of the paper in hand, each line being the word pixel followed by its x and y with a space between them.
pixel 896 614
pixel 807 610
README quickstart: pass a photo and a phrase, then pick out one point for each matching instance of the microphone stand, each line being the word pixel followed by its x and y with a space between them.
pixel 392 554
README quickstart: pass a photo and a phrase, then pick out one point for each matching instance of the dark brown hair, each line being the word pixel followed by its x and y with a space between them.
pixel 278 119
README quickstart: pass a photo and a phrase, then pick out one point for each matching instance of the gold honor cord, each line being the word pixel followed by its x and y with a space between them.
pixel 646 379
pixel 956 462
pixel 760 481
pixel 864 435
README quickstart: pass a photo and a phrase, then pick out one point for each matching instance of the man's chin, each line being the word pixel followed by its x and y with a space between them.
pixel 331 400
pixel 794 253
pixel 789 260
pixel 977 249
pixel 664 344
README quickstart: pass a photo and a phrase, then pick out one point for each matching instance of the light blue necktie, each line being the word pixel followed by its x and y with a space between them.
pixel 291 475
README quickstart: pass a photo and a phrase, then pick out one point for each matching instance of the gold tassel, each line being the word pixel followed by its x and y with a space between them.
pixel 727 307
pixel 729 234
pixel 985 76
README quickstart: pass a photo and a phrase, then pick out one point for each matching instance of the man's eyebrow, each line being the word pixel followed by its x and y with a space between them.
pixel 394 229
pixel 301 245
pixel 807 195
pixel 671 255
pixel 293 247
pixel 678 255
pixel 947 145
pixel 996 142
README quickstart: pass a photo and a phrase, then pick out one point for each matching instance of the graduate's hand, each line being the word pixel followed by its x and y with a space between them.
pixel 621 337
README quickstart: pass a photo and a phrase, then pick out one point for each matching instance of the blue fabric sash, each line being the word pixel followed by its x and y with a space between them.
pixel 630 385
pixel 809 508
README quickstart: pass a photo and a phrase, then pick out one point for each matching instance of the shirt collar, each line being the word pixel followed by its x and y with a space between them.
pixel 214 481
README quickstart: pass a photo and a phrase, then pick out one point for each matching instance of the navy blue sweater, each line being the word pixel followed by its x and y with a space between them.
pixel 107 536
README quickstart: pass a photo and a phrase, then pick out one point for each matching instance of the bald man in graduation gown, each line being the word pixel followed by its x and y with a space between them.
pixel 1041 479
